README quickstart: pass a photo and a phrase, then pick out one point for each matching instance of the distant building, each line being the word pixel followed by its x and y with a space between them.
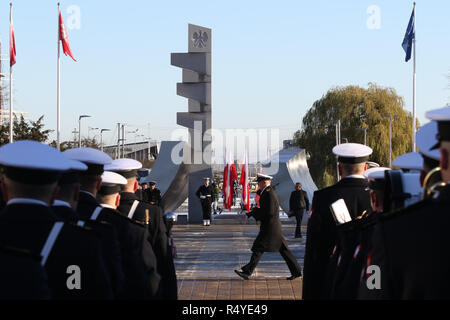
pixel 139 151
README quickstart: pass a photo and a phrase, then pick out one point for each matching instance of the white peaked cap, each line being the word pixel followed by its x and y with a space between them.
pixel 442 114
pixel 76 165
pixel 112 178
pixel 123 165
pixel 88 155
pixel 33 155
pixel 352 152
pixel 426 140
pixel 409 161
pixel 375 173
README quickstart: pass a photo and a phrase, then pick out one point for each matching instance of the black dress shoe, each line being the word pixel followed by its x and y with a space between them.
pixel 242 274
pixel 293 277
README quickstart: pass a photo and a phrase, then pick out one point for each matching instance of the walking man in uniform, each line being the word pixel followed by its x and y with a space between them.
pixel 298 202
pixel 270 238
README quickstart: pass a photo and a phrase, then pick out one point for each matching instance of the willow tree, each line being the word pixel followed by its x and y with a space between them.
pixel 357 109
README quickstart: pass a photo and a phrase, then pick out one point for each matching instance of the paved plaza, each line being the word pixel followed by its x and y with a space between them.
pixel 207 257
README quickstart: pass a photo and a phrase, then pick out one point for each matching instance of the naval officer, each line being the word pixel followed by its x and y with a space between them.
pixel 420 229
pixel 353 188
pixel 136 283
pixel 109 198
pixel 64 207
pixel 131 207
pixel 270 237
pixel 31 172
pixel 153 194
pixel 354 242
pixel 206 195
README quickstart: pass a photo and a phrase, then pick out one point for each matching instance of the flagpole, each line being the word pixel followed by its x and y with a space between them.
pixel 414 84
pixel 58 94
pixel 11 122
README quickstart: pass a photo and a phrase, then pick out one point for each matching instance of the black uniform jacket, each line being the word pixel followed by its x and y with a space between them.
pixel 348 258
pixel 28 226
pixel 2 202
pixel 410 247
pixel 299 200
pixel 110 243
pixel 158 240
pixel 270 237
pixel 321 232
pixel 208 192
pixel 21 276
pixel 153 196
pixel 141 281
pixel 141 195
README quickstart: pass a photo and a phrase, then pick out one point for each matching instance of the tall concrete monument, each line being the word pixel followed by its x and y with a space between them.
pixel 196 86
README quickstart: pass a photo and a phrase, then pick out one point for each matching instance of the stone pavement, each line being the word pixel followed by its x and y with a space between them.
pixel 207 257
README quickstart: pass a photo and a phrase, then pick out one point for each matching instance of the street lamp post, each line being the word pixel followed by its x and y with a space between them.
pixel 365 134
pixel 101 137
pixel 91 129
pixel 390 138
pixel 79 128
pixel 141 157
pixel 134 147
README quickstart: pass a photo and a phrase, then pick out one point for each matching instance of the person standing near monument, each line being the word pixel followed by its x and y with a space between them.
pixel 298 202
pixel 270 238
pixel 153 194
pixel 206 196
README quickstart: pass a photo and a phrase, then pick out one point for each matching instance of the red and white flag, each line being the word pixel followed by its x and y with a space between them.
pixel 244 184
pixel 229 176
pixel 12 43
pixel 64 38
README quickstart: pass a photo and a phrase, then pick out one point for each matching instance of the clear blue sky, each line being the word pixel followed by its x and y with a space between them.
pixel 271 59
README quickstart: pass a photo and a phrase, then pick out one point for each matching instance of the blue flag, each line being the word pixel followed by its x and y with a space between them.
pixel 409 36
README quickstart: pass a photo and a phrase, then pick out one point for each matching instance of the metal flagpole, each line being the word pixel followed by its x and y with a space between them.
pixel 11 122
pixel 414 83
pixel 58 95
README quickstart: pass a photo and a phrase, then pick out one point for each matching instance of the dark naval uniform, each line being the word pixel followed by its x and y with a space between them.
pixel 270 237
pixel 153 196
pixel 410 246
pixel 21 276
pixel 158 239
pixel 348 259
pixel 110 243
pixel 2 202
pixel 141 281
pixel 208 193
pixel 321 233
pixel 35 228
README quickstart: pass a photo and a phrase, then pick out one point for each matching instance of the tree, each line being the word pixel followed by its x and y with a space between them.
pixel 24 130
pixel 356 107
